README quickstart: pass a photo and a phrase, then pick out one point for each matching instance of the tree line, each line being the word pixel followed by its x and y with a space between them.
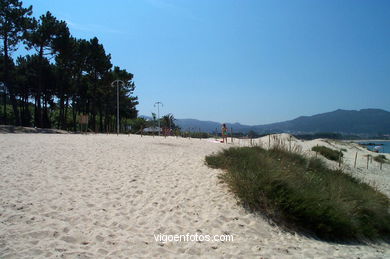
pixel 61 79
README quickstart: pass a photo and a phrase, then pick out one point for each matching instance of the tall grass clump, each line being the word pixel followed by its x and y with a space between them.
pixel 329 153
pixel 381 159
pixel 303 194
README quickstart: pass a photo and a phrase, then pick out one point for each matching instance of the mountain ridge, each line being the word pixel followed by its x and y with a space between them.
pixel 363 121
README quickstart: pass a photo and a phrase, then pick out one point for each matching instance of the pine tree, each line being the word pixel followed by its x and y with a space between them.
pixel 15 20
pixel 46 38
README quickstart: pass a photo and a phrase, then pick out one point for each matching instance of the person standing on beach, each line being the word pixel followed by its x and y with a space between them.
pixel 224 133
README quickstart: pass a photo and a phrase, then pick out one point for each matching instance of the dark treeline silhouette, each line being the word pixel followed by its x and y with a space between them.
pixel 62 77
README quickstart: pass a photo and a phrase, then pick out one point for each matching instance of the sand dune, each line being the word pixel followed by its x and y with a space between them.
pixel 106 196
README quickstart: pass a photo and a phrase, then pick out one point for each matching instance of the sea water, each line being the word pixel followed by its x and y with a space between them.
pixel 385 148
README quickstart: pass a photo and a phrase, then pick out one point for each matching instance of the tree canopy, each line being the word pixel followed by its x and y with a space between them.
pixel 62 77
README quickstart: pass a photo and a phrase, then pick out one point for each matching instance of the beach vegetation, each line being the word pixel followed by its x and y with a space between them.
pixel 329 153
pixel 168 121
pixel 381 159
pixel 62 79
pixel 302 194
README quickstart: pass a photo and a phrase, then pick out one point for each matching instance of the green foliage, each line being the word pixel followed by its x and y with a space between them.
pixel 252 134
pixel 137 124
pixel 381 159
pixel 47 35
pixel 64 78
pixel 193 134
pixel 9 113
pixel 15 20
pixel 168 121
pixel 303 194
pixel 329 153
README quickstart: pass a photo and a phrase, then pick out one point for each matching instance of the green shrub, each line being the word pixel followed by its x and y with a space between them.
pixel 329 153
pixel 381 159
pixel 194 134
pixel 303 194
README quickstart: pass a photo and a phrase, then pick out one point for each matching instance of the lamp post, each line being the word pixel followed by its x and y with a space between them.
pixel 117 82
pixel 158 114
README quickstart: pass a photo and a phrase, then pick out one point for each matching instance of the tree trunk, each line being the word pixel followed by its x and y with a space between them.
pixel 66 113
pixel 46 115
pixel 5 87
pixel 14 104
pixel 21 109
pixel 101 119
pixel 25 112
pixel 39 115
pixel 5 107
pixel 46 123
pixel 74 113
pixel 8 84
pixel 61 117
pixel 36 118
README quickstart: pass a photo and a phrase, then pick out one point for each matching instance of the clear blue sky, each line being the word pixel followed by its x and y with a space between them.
pixel 244 61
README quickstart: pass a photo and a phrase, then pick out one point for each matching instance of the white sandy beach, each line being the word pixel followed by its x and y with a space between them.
pixel 106 196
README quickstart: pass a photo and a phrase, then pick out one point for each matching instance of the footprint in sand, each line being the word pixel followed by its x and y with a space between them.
pixel 69 239
pixel 99 238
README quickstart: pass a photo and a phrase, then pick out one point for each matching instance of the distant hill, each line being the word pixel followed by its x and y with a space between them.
pixel 205 126
pixel 365 121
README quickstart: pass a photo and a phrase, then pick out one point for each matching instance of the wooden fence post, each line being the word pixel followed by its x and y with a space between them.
pixel 354 165
pixel 231 134
pixel 340 157
pixel 269 141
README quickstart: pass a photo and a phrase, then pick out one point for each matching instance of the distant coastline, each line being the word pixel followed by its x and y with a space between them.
pixel 366 140
pixel 385 144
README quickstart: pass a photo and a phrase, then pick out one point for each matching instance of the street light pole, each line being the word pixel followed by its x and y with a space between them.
pixel 158 114
pixel 117 82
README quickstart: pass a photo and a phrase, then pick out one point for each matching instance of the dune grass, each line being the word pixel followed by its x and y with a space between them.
pixel 303 194
pixel 329 153
pixel 381 159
